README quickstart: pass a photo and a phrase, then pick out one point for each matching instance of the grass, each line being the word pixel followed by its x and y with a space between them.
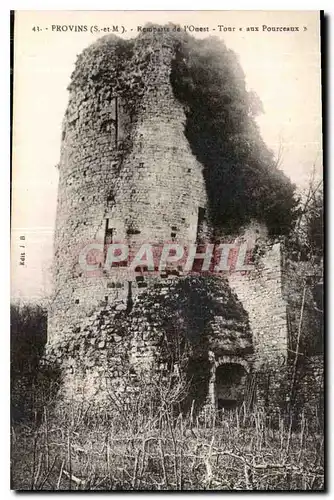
pixel 134 445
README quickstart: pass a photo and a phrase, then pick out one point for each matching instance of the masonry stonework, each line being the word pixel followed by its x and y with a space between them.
pixel 260 292
pixel 127 174
pixel 103 181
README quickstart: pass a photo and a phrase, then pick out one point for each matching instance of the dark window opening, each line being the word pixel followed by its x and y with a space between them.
pixel 198 261
pixel 63 135
pixel 132 231
pixel 111 124
pixel 110 200
pixel 115 119
pixel 141 269
pixel 173 233
pixel 230 373
pixel 123 119
pixel 200 224
pixel 107 126
pixel 230 385
pixel 108 238
pixel 129 302
pixel 77 301
pixel 141 282
pixel 109 231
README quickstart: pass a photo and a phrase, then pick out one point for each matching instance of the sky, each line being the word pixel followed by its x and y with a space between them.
pixel 282 67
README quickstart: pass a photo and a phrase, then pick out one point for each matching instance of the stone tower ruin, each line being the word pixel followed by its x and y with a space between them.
pixel 127 173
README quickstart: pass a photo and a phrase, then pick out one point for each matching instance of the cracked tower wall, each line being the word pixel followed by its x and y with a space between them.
pixel 261 294
pixel 127 174
pixel 126 165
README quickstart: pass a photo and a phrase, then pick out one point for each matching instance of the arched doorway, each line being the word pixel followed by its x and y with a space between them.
pixel 230 385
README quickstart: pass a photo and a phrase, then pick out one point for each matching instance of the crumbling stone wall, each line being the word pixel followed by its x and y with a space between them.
pixel 309 391
pixel 125 160
pixel 128 174
pixel 126 166
pixel 171 327
pixel 260 291
pixel 303 292
pixel 293 391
